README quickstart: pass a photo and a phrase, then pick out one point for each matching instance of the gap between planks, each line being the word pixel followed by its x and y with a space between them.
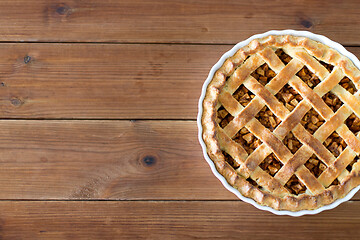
pixel 97 119
pixel 137 200
pixel 141 43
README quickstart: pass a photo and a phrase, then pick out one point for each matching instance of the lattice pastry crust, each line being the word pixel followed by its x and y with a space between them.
pixel 281 122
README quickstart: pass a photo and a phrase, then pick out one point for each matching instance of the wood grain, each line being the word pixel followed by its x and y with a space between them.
pixel 104 81
pixel 131 160
pixel 172 21
pixel 104 160
pixel 169 220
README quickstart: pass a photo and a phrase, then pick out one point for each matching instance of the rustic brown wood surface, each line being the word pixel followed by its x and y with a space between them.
pixel 106 81
pixel 169 220
pixel 104 160
pixel 98 101
pixel 177 21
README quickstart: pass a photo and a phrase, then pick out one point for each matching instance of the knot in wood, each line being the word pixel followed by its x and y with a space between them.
pixel 16 102
pixel 306 23
pixel 63 9
pixel 149 160
pixel 27 59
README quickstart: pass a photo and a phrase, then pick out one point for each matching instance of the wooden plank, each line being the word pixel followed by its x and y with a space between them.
pixel 169 220
pixel 172 21
pixel 103 81
pixel 106 81
pixel 131 160
pixel 104 160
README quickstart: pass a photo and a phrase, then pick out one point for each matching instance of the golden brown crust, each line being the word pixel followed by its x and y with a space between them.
pixel 236 71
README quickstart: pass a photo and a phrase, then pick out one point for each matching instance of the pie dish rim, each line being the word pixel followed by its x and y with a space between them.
pixel 316 37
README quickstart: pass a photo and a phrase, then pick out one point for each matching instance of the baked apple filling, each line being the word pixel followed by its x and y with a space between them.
pixel 312 121
pixel 271 164
pixel 292 143
pixel 223 117
pixel 335 144
pixel 353 123
pixel 348 85
pixel 315 165
pixel 283 56
pixel 263 74
pixel 243 95
pixel 294 186
pixel 247 140
pixel 308 77
pixel 289 97
pixel 230 160
pixel 267 118
pixel 332 101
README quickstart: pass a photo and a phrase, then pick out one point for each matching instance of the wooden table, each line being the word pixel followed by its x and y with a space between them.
pixel 98 102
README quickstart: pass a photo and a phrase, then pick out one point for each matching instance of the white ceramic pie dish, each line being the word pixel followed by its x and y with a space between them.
pixel 228 54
